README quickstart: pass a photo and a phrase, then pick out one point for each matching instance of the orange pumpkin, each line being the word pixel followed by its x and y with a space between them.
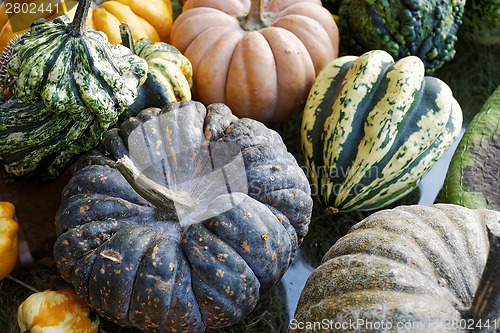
pixel 150 19
pixel 259 57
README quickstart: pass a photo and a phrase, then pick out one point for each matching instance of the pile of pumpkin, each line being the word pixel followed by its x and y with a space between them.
pixel 183 207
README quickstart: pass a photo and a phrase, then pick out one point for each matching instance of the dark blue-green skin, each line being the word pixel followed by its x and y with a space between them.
pixel 137 267
pixel 71 86
pixel 427 29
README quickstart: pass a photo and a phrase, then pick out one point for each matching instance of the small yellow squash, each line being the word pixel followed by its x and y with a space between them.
pixel 9 244
pixel 59 311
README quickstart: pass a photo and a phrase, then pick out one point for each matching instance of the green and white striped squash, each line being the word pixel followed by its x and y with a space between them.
pixel 372 128
pixel 170 74
pixel 472 177
pixel 415 269
pixel 71 85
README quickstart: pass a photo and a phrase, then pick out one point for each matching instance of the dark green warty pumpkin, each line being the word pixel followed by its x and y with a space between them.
pixel 409 269
pixel 373 127
pixel 426 29
pixel 71 85
pixel 183 219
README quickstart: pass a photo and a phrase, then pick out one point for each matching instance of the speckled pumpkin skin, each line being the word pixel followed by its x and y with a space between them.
pixel 417 266
pixel 139 270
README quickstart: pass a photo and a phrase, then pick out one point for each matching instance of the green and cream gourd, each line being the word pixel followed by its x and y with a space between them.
pixel 77 85
pixel 170 74
pixel 472 177
pixel 372 128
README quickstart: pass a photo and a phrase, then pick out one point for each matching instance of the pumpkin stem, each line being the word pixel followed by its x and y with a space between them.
pixel 485 308
pixel 256 18
pixel 76 27
pixel 126 36
pixel 169 203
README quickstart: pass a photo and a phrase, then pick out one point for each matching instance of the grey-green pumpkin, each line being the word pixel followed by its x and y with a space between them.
pixel 71 85
pixel 372 128
pixel 473 174
pixel 151 240
pixel 408 269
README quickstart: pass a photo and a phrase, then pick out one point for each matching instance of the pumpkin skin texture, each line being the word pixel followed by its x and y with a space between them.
pixel 261 64
pixel 472 176
pixel 52 311
pixel 426 29
pixel 150 19
pixel 9 243
pixel 414 265
pixel 372 128
pixel 140 263
pixel 71 86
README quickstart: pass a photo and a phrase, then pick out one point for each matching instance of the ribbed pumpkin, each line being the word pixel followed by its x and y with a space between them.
pixel 150 19
pixel 408 269
pixel 259 57
pixel 472 176
pixel 71 85
pixel 372 128
pixel 200 214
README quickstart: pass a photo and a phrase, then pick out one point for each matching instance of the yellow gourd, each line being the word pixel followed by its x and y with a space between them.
pixel 59 311
pixel 9 244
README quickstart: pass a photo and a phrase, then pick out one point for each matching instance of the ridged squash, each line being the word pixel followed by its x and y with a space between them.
pixel 472 177
pixel 412 269
pixel 150 19
pixel 71 85
pixel 372 128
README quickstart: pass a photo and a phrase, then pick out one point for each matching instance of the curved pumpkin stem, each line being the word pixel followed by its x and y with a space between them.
pixel 256 18
pixel 126 36
pixel 168 202
pixel 485 308
pixel 76 27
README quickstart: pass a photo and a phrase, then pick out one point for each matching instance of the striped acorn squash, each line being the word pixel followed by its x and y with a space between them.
pixel 71 85
pixel 472 177
pixel 372 128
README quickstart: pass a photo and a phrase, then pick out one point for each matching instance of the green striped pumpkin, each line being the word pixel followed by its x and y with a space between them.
pixel 372 128
pixel 71 85
pixel 472 177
